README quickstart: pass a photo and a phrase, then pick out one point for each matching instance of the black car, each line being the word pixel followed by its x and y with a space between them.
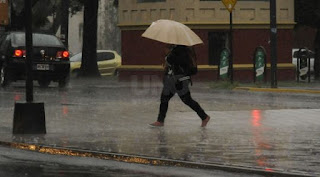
pixel 50 60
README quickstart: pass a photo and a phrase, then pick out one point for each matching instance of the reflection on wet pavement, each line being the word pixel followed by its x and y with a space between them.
pixel 17 97
pixel 249 139
pixel 261 145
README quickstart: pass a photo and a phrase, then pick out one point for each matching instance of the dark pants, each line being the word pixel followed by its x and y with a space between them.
pixel 168 92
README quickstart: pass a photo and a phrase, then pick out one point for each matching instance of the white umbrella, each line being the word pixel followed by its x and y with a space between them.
pixel 172 32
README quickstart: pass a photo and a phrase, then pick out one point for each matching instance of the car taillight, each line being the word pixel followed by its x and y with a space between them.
pixel 63 54
pixel 19 53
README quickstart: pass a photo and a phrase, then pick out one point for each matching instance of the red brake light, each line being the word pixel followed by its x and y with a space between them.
pixel 65 54
pixel 59 54
pixel 62 54
pixel 19 53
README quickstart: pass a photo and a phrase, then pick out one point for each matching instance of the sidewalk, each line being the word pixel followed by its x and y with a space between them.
pixel 283 89
pixel 261 133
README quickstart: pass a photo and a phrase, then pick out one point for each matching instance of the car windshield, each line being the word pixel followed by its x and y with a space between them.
pixel 18 39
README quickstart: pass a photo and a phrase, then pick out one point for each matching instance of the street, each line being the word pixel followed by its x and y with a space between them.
pixel 19 163
pixel 253 67
pixel 266 131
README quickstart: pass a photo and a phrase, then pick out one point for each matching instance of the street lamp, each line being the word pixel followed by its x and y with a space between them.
pixel 273 42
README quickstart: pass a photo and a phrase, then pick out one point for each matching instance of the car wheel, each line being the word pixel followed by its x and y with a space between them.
pixel 4 81
pixel 44 83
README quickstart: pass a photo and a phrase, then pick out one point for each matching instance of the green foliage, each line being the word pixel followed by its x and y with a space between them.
pixel 76 6
pixel 42 9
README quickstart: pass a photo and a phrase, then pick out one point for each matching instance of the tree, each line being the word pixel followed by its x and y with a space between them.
pixel 45 8
pixel 89 67
pixel 308 13
pixel 57 11
pixel 41 11
pixel 18 14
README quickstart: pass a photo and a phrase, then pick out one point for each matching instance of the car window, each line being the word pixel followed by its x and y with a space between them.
pixel 103 56
pixel 18 39
pixel 76 58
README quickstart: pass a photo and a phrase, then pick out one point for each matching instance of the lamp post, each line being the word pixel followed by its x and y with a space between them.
pixel 29 51
pixel 229 4
pixel 231 50
pixel 273 43
pixel 29 117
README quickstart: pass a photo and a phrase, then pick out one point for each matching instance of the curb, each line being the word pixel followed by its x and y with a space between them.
pixel 279 90
pixel 150 160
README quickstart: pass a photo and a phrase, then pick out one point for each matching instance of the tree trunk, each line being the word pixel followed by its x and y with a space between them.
pixel 89 67
pixel 64 33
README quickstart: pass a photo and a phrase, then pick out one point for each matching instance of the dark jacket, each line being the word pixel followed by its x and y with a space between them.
pixel 178 60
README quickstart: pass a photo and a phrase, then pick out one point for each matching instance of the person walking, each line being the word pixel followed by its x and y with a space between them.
pixel 177 80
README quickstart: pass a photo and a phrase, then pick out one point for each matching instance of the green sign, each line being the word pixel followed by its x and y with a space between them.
pixel 224 63
pixel 260 63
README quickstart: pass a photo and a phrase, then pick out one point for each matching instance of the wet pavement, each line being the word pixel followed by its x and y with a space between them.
pixel 262 130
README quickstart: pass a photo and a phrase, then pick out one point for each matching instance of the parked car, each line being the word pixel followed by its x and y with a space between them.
pixel 108 61
pixel 50 60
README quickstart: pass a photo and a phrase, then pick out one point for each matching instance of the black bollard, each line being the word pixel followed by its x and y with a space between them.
pixel 29 118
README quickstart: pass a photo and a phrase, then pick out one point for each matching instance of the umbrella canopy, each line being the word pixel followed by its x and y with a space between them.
pixel 171 32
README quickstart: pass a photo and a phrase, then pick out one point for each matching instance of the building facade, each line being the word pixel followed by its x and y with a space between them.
pixel 210 20
pixel 4 15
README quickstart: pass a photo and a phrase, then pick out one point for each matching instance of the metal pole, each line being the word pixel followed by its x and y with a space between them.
pixel 273 27
pixel 298 66
pixel 309 63
pixel 254 65
pixel 231 51
pixel 29 51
